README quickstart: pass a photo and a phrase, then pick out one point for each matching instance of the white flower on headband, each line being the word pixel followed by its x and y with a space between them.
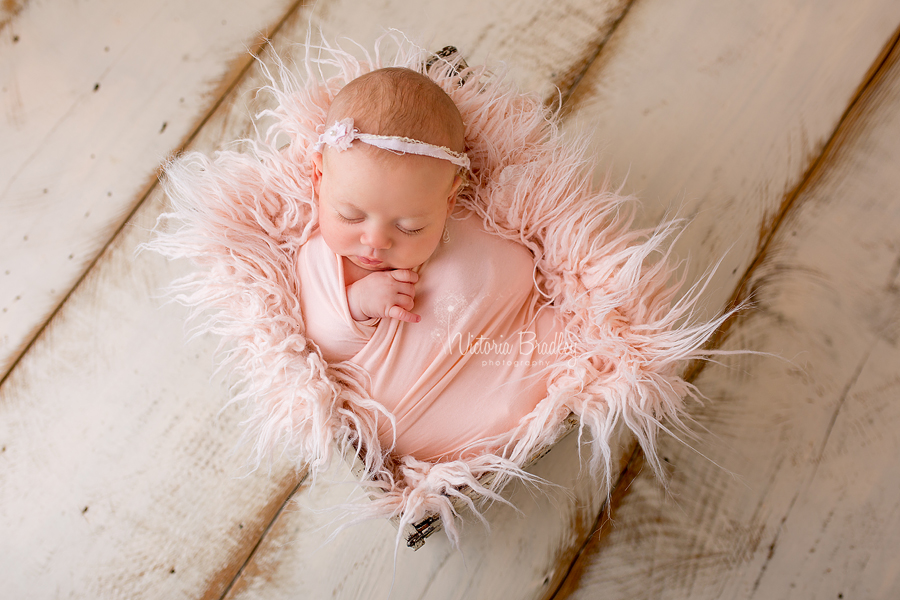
pixel 338 136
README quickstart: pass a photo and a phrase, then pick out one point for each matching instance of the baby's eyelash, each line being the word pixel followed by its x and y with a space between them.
pixel 411 231
pixel 345 219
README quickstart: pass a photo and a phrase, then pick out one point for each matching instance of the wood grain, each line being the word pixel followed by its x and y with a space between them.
pixel 94 96
pixel 805 502
pixel 516 558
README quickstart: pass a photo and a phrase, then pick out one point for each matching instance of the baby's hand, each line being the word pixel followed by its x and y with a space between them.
pixel 384 294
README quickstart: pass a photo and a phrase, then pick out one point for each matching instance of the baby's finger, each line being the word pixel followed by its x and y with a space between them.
pixel 405 289
pixel 403 315
pixel 405 275
pixel 404 302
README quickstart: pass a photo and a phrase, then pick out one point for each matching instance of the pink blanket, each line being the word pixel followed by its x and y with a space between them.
pixel 471 369
pixel 536 254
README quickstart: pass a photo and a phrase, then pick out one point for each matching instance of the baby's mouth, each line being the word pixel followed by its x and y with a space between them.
pixel 369 262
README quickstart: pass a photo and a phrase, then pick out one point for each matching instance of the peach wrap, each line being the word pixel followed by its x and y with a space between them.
pixel 471 369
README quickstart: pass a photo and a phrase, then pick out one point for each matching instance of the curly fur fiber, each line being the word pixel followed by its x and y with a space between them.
pixel 242 216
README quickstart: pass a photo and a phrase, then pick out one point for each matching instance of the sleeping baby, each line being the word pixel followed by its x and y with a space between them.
pixel 427 273
pixel 442 315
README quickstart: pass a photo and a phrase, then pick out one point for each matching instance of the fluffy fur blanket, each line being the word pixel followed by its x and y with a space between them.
pixel 243 216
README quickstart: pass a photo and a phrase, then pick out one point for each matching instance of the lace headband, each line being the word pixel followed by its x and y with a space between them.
pixel 341 135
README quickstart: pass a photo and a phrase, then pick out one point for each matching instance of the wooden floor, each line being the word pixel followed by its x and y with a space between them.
pixel 774 125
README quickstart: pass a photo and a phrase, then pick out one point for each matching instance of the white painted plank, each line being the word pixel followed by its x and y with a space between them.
pixel 807 502
pixel 715 110
pixel 93 95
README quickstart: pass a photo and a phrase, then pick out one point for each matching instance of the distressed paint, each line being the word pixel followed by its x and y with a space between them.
pixel 118 476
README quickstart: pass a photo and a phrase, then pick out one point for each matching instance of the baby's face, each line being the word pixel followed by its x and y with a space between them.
pixel 383 212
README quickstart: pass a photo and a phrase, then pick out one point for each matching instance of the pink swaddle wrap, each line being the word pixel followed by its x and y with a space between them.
pixel 535 254
pixel 471 369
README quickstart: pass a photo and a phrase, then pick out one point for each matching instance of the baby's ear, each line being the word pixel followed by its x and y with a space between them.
pixel 317 171
pixel 454 190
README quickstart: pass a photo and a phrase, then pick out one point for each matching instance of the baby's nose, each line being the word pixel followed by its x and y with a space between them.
pixel 376 239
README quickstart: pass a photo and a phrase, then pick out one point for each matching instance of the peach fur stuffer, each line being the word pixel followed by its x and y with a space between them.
pixel 242 216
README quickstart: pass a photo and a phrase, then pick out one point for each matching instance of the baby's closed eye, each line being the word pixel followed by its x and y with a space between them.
pixel 408 231
pixel 346 219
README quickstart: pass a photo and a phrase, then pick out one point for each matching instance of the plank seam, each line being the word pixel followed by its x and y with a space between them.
pixel 560 101
pixel 626 476
pixel 236 80
pixel 262 536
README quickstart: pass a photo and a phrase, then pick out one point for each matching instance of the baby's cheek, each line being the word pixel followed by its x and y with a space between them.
pixel 332 234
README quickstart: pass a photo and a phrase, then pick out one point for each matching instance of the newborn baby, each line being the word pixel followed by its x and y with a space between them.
pixel 443 315
pixel 365 281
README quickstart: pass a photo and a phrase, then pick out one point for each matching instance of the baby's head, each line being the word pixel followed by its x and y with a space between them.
pixel 380 208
